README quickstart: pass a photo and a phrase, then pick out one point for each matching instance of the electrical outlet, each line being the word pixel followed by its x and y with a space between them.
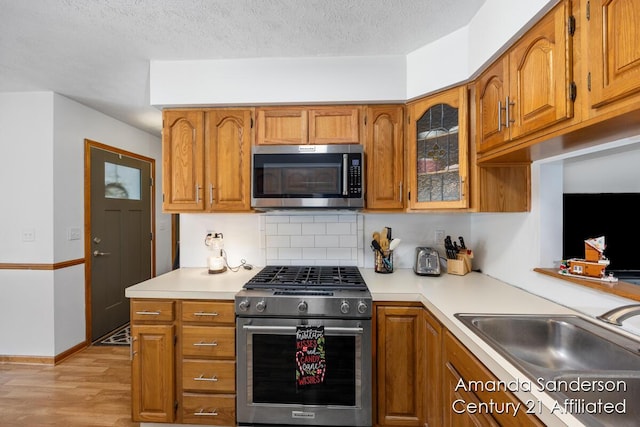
pixel 28 235
pixel 439 236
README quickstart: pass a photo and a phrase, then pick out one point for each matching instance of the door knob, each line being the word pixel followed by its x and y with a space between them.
pixel 98 253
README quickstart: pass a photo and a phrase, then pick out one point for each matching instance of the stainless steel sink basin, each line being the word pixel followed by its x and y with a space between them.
pixel 557 348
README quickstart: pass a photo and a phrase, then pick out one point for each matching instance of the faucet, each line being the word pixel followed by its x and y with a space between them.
pixel 617 315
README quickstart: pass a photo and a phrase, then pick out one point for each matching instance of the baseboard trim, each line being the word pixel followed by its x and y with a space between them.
pixel 43 360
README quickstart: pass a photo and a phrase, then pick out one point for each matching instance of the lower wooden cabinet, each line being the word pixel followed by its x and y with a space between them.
pixel 400 359
pixel 153 361
pixel 183 362
pixel 462 368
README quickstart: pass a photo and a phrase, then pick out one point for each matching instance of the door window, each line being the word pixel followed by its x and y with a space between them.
pixel 121 182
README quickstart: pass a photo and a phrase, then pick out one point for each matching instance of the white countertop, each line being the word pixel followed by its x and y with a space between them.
pixel 444 296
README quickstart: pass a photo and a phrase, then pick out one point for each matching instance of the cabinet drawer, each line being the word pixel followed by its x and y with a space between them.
pixel 152 310
pixel 216 410
pixel 208 312
pixel 209 341
pixel 209 375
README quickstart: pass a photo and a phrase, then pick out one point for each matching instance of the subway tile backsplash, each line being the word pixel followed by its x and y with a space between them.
pixel 303 239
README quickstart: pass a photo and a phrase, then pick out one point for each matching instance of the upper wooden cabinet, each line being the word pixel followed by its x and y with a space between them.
pixel 614 50
pixel 182 160
pixel 437 144
pixel 530 87
pixel 308 125
pixel 228 160
pixel 197 148
pixel 384 149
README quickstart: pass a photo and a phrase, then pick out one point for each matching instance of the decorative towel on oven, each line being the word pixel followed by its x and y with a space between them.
pixel 311 363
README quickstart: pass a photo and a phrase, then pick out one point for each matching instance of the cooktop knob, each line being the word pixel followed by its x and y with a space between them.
pixel 344 307
pixel 243 305
pixel 362 307
pixel 261 305
pixel 302 306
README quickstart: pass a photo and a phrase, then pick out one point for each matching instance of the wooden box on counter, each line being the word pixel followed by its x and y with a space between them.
pixel 462 264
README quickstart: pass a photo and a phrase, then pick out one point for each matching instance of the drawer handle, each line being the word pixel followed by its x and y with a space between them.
pixel 204 313
pixel 202 378
pixel 148 313
pixel 206 344
pixel 201 413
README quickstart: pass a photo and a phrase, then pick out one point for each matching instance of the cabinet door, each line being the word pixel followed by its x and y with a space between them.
pixel 152 374
pixel 614 50
pixel 491 92
pixel 438 151
pixel 183 161
pixel 400 372
pixel 281 126
pixel 540 76
pixel 384 148
pixel 334 125
pixel 457 399
pixel 228 160
pixel 433 369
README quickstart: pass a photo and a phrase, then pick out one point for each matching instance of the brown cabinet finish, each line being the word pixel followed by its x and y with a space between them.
pixel 308 125
pixel 614 50
pixel 433 369
pixel 384 150
pixel 461 371
pixel 438 159
pixel 207 364
pixel 399 366
pixel 529 88
pixel 228 160
pixel 182 160
pixel 153 391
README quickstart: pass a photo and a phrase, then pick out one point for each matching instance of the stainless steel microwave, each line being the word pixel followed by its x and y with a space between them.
pixel 316 176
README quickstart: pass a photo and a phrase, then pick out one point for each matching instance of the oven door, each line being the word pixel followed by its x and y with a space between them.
pixel 266 381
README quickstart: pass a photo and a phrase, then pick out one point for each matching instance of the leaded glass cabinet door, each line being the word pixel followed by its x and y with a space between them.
pixel 438 161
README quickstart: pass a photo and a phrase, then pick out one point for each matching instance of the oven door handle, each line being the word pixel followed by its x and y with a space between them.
pixel 330 329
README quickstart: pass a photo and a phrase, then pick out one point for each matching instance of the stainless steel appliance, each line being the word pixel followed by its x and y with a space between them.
pixel 270 308
pixel 321 176
pixel 427 262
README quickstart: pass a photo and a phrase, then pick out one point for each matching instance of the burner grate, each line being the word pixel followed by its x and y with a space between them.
pixel 327 277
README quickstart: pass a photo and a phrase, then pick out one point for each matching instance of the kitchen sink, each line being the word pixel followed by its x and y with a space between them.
pixel 562 354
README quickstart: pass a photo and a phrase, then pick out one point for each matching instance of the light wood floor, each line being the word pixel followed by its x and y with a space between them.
pixel 91 388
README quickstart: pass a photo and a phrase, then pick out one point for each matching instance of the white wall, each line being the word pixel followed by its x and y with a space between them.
pixel 278 80
pixel 42 147
pixel 511 245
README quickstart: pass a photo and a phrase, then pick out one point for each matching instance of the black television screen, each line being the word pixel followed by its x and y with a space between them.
pixel 613 215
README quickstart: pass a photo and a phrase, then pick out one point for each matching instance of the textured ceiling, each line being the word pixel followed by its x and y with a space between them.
pixel 97 52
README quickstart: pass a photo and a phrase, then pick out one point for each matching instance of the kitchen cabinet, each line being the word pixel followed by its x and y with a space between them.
pixel 182 160
pixel 438 143
pixel 152 360
pixel 461 371
pixel 207 363
pixel 308 125
pixel 384 150
pixel 400 358
pixel 530 87
pixel 614 51
pixel 433 369
pixel 197 148
pixel 228 160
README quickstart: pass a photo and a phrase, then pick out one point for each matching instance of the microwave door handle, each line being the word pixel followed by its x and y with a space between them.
pixel 345 174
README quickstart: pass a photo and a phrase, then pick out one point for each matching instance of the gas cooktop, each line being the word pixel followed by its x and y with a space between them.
pixel 311 277
pixel 299 291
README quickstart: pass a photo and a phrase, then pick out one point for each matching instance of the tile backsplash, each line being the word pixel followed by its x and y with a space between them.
pixel 297 239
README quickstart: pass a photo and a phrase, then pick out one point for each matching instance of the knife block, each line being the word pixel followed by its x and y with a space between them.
pixel 462 264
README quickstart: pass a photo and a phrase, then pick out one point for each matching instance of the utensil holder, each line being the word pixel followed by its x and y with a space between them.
pixel 383 261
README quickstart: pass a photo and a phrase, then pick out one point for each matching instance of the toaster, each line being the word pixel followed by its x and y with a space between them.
pixel 427 262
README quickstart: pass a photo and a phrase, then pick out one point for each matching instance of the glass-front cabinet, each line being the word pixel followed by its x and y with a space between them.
pixel 438 151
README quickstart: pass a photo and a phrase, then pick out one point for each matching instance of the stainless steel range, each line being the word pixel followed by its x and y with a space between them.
pixel 278 310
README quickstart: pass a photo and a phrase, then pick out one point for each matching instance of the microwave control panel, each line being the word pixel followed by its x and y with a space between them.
pixel 355 175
